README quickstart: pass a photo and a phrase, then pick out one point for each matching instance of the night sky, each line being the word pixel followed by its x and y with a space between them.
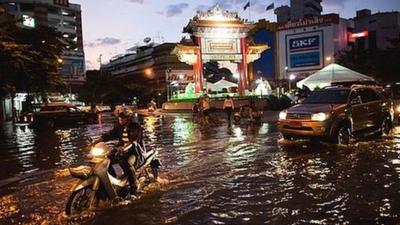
pixel 111 27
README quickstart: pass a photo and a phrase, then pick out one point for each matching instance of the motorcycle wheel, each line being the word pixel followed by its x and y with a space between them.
pixel 155 168
pixel 79 201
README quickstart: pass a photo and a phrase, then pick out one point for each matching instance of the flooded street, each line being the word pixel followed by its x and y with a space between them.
pixel 210 175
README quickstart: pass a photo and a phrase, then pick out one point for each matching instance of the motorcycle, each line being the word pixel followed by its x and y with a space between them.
pixel 196 108
pixel 151 109
pixel 104 180
pixel 245 111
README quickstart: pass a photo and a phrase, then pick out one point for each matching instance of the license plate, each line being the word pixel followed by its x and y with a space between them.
pixel 295 124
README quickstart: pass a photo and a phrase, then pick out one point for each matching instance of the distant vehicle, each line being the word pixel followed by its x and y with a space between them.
pixel 337 114
pixel 60 113
pixel 393 92
pixel 244 113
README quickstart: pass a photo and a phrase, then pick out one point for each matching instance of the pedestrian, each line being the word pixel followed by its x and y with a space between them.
pixel 99 112
pixel 229 107
pixel 205 106
pixel 14 115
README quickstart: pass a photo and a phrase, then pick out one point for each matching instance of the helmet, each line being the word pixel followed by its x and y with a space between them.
pixel 125 112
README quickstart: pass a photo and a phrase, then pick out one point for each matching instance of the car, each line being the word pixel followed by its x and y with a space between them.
pixel 60 113
pixel 337 114
pixel 393 92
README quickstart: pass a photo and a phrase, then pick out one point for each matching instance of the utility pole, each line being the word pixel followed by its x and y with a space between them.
pixel 99 59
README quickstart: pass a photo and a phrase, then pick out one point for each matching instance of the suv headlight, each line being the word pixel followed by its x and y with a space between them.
pixel 97 152
pixel 319 117
pixel 282 115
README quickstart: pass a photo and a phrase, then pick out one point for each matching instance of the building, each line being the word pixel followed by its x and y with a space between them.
pixel 374 31
pixel 299 9
pixel 66 18
pixel 219 36
pixel 309 44
pixel 264 32
pixel 149 68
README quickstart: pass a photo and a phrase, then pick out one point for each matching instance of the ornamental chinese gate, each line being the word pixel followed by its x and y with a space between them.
pixel 219 35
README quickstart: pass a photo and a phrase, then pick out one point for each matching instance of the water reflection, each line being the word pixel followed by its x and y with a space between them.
pixel 220 175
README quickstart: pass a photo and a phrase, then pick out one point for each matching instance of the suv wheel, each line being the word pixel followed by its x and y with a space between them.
pixel 386 126
pixel 50 123
pixel 343 135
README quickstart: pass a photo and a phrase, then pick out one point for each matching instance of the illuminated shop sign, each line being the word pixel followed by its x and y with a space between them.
pixel 353 36
pixel 179 76
pixel 305 59
pixel 220 46
pixel 28 21
pixel 222 57
pixel 304 43
pixel 361 34
pixel 306 22
pixel 304 51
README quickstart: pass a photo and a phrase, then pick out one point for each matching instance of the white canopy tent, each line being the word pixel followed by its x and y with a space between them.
pixel 263 87
pixel 221 84
pixel 331 74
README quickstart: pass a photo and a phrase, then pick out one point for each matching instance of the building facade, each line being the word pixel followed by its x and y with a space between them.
pixel 374 31
pixel 66 18
pixel 264 32
pixel 299 9
pixel 147 68
pixel 307 45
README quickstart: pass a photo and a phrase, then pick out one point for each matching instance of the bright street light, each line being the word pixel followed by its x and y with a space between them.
pixel 148 71
pixel 291 77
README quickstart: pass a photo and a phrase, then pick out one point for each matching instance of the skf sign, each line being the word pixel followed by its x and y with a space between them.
pixel 354 36
pixel 61 2
pixel 304 43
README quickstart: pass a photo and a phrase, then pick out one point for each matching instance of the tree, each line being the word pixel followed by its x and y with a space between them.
pixel 29 60
pixel 103 88
pixel 383 65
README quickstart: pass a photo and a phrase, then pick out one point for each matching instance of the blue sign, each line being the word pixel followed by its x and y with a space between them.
pixel 73 67
pixel 304 43
pixel 305 59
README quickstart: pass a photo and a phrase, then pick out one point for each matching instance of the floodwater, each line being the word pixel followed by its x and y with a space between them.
pixel 211 175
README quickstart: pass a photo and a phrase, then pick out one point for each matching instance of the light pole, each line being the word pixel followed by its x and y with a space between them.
pixel 291 77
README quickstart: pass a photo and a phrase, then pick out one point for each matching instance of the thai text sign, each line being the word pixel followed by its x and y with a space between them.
pixel 325 19
pixel 221 46
pixel 222 57
pixel 179 76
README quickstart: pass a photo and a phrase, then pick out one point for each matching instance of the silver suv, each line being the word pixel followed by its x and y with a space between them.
pixel 337 114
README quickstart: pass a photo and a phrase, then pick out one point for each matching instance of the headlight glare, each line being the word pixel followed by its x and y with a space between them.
pixel 282 115
pixel 319 117
pixel 398 109
pixel 97 151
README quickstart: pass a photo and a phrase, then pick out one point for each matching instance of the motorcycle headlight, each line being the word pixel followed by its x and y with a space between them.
pixel 97 152
pixel 282 115
pixel 398 109
pixel 319 117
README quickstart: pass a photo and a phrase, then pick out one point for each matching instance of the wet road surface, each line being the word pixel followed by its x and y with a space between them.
pixel 210 175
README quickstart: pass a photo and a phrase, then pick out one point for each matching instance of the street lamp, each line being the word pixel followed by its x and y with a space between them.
pixel 148 72
pixel 328 59
pixel 291 77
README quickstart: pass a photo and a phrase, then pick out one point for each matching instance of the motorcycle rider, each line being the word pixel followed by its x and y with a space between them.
pixel 127 132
